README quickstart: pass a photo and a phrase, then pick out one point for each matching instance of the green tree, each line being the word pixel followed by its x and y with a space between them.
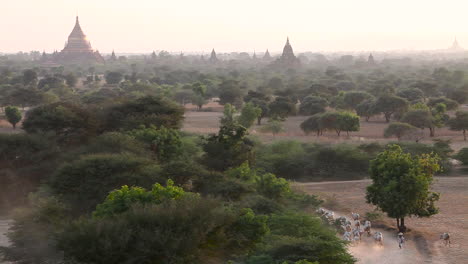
pixel 353 98
pixel 312 123
pixel 85 182
pixel 449 103
pixel 249 114
pixel 390 104
pixel 366 109
pixel 121 200
pixel 399 130
pixel 29 77
pixel 114 77
pixel 401 184
pixel 459 122
pixel 462 156
pixel 348 122
pixel 71 80
pixel 13 115
pixel 230 92
pixel 63 119
pixel 273 126
pixel 272 187
pixel 411 94
pixel 164 142
pixel 312 105
pixel 147 111
pixel 282 107
pixel 199 94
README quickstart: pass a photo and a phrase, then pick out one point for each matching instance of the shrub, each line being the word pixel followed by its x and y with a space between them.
pixel 462 156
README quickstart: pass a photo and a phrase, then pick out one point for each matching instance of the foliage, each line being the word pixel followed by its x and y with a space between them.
pixel 339 121
pixel 366 109
pixel 282 107
pixel 13 115
pixel 390 104
pixel 312 124
pixel 411 94
pixel 312 105
pixel 273 126
pixel 401 182
pixel 462 156
pixel 249 114
pixel 459 122
pixel 147 111
pixel 353 98
pixel 449 103
pixel 228 148
pixel 63 119
pixel 85 182
pixel 272 187
pixel 399 130
pixel 121 200
pixel 114 77
pixel 164 142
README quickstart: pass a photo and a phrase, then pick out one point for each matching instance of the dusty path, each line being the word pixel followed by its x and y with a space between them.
pixel 423 244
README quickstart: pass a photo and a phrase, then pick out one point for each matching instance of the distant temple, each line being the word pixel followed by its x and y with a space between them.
pixel 371 60
pixel 77 49
pixel 267 56
pixel 113 58
pixel 213 58
pixel 288 58
pixel 455 46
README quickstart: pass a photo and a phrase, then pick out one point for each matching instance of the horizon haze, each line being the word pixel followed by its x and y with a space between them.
pixel 188 26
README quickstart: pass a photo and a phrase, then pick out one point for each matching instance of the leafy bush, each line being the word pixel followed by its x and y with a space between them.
pixel 462 156
pixel 86 182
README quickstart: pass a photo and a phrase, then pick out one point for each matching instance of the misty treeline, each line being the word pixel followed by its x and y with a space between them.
pixel 102 173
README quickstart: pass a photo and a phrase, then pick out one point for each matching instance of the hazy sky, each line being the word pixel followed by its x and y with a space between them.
pixel 236 25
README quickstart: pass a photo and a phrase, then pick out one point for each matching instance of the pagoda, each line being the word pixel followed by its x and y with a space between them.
pixel 267 56
pixel 370 60
pixel 213 57
pixel 455 46
pixel 78 49
pixel 288 58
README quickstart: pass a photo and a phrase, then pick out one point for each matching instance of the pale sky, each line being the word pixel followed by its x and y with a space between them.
pixel 235 25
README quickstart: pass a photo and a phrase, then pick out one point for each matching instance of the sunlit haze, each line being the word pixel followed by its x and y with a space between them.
pixel 199 26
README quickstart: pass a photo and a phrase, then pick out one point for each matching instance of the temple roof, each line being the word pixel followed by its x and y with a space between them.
pixel 77 32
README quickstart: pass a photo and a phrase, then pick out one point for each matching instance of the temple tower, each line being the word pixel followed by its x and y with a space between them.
pixel 288 58
pixel 213 58
pixel 78 48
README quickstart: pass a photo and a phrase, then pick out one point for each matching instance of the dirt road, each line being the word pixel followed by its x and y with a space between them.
pixel 423 244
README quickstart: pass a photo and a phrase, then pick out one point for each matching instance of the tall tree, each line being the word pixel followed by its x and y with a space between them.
pixel 459 122
pixel 249 114
pixel 390 104
pixel 312 105
pixel 401 184
pixel 13 115
pixel 399 130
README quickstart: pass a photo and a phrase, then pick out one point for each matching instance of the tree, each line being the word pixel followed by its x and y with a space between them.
pixel 249 114
pixel 114 77
pixel 229 148
pixel 353 98
pixel 366 109
pixel 71 80
pixel 449 103
pixel 164 142
pixel 312 105
pixel 273 126
pixel 459 122
pixel 63 119
pixel 282 107
pixel 411 94
pixel 230 93
pixel 199 94
pixel 401 184
pixel 462 156
pixel 147 111
pixel 399 130
pixel 390 104
pixel 85 182
pixel 339 121
pixel 348 122
pixel 312 123
pixel 13 115
pixel 29 77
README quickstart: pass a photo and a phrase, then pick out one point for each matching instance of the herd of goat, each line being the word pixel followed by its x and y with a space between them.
pixel 353 229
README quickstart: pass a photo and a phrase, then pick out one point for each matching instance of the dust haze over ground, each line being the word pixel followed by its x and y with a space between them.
pixel 423 244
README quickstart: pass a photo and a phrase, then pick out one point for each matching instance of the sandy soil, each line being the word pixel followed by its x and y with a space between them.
pixel 423 244
pixel 208 122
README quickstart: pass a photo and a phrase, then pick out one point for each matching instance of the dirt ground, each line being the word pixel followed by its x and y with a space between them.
pixel 208 122
pixel 423 244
